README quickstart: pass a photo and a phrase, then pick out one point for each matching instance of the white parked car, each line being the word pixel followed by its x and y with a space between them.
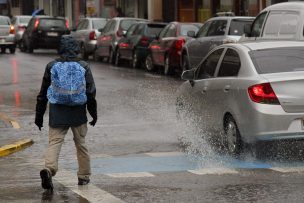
pixel 7 35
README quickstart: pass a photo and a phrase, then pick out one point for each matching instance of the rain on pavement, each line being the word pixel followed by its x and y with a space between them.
pixel 140 152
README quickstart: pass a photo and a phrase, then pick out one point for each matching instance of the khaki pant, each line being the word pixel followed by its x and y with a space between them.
pixel 56 138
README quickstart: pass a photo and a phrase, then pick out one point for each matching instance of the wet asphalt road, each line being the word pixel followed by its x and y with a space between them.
pixel 136 146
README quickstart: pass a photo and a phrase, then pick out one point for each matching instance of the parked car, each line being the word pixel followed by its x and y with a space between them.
pixel 20 23
pixel 107 41
pixel 86 34
pixel 247 92
pixel 7 35
pixel 279 21
pixel 214 32
pixel 135 43
pixel 44 32
pixel 165 51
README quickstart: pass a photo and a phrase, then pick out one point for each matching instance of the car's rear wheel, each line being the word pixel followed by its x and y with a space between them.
pixel 83 53
pixel 185 64
pixel 149 63
pixel 117 58
pixel 167 68
pixel 233 137
pixel 135 60
pixel 23 46
pixel 12 49
pixel 111 56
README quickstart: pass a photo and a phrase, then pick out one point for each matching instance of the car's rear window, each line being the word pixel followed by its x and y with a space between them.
pixel 276 60
pixel 25 20
pixel 184 29
pixel 48 23
pixel 4 21
pixel 97 24
pixel 125 24
pixel 154 29
pixel 237 26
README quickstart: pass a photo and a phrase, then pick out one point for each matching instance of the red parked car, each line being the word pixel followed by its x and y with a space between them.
pixel 165 50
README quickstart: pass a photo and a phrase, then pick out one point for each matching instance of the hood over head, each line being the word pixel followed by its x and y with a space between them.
pixel 69 47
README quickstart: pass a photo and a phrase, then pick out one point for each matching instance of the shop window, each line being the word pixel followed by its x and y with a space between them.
pixel 186 4
pixel 15 3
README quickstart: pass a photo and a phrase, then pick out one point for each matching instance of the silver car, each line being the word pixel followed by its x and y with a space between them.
pixel 214 32
pixel 247 92
pixel 7 35
pixel 86 33
pixel 20 23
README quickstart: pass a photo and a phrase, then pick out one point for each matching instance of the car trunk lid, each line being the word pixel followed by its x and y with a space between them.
pixel 288 87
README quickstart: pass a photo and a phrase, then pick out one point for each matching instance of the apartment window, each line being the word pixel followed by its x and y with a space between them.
pixel 15 3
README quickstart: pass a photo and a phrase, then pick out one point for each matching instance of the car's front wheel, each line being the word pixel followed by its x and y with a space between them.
pixel 135 60
pixel 12 49
pixel 117 59
pixel 185 62
pixel 83 53
pixel 233 137
pixel 167 68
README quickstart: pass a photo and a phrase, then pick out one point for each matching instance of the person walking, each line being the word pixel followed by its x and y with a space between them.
pixel 68 86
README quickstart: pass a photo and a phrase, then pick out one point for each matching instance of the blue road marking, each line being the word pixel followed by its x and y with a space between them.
pixel 173 164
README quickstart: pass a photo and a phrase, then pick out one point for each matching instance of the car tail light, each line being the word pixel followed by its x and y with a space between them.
pixel 123 45
pixel 36 23
pixel 21 28
pixel 67 24
pixel 263 93
pixel 12 30
pixel 179 44
pixel 92 35
pixel 144 41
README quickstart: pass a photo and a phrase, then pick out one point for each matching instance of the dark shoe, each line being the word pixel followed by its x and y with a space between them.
pixel 83 181
pixel 46 179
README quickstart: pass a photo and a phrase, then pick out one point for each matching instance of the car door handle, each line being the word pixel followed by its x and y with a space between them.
pixel 227 88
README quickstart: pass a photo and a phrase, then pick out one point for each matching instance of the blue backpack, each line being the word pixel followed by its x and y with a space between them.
pixel 68 85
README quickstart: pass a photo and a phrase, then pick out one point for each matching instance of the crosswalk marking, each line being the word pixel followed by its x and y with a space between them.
pixel 90 192
pixel 215 171
pixel 130 175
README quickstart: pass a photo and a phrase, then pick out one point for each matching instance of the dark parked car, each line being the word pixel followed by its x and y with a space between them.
pixel 44 32
pixel 135 43
pixel 214 32
pixel 86 34
pixel 165 51
pixel 107 42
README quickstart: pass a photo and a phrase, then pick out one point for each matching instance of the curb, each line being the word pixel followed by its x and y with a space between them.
pixel 15 147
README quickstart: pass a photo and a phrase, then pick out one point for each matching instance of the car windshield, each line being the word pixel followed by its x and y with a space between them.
pixel 237 26
pixel 4 21
pixel 97 24
pixel 277 60
pixel 186 28
pixel 25 20
pixel 154 29
pixel 52 23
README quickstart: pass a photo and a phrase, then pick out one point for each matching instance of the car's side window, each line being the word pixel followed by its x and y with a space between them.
pixel 80 25
pixel 231 64
pixel 131 30
pixel 207 68
pixel 171 31
pixel 204 30
pixel 113 25
pixel 107 26
pixel 218 27
pixel 138 29
pixel 257 25
pixel 86 25
pixel 164 31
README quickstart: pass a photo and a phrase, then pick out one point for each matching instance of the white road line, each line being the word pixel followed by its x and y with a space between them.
pixel 215 171
pixel 130 175
pixel 288 169
pixel 164 154
pixel 90 192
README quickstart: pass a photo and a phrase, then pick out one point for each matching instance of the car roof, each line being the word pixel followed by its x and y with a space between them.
pixel 129 18
pixel 94 18
pixel 4 17
pixel 45 16
pixel 286 6
pixel 268 44
pixel 232 17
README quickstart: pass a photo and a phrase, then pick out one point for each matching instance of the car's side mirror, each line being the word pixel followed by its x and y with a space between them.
pixel 188 75
pixel 124 33
pixel 191 33
pixel 247 30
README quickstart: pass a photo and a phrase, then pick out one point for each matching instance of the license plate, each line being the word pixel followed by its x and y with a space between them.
pixel 52 34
